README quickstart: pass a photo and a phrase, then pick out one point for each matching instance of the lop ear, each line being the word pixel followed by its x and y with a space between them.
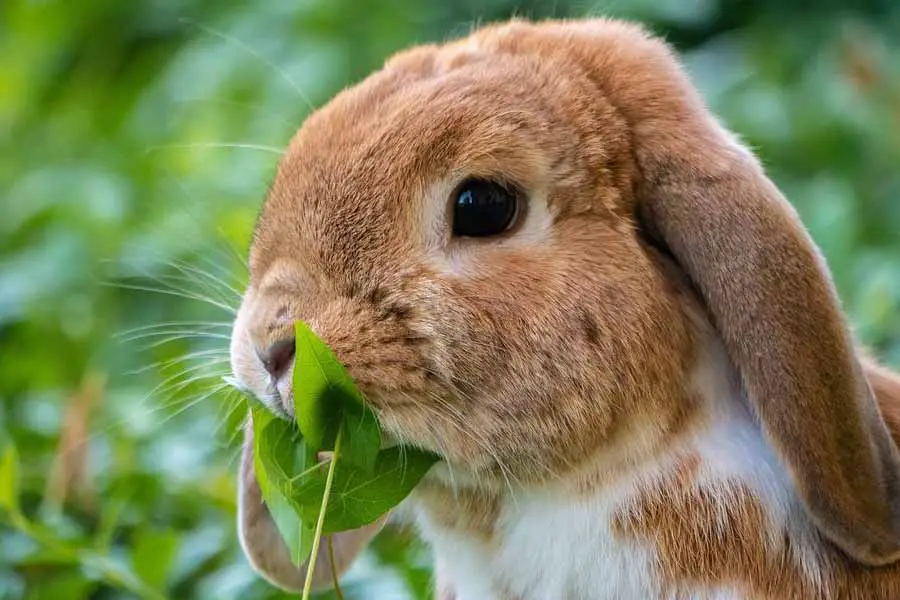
pixel 770 296
pixel 267 552
pixel 769 292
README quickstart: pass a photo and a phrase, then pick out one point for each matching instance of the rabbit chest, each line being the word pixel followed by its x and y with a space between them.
pixel 713 518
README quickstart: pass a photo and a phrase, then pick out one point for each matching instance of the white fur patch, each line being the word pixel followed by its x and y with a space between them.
pixel 552 545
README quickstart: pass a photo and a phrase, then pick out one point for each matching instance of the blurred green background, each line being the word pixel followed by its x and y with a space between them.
pixel 138 139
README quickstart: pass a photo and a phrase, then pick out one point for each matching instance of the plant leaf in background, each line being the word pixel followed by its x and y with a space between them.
pixel 154 551
pixel 9 480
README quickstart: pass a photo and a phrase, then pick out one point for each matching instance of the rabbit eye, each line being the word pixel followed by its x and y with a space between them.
pixel 483 208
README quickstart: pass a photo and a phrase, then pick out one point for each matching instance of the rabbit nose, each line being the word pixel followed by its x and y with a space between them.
pixel 277 357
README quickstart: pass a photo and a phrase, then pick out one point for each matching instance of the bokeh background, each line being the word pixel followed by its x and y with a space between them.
pixel 138 139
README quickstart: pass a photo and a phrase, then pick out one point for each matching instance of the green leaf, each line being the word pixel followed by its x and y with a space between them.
pixel 362 438
pixel 324 394
pixel 359 498
pixel 279 446
pixel 151 559
pixel 366 481
pixel 9 479
pixel 318 378
pixel 70 584
pixel 269 435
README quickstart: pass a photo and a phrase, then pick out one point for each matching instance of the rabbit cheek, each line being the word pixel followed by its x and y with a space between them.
pixel 375 342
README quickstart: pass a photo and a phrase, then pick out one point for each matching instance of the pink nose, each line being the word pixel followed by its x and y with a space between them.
pixel 277 357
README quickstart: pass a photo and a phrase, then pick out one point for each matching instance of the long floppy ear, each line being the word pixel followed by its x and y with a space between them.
pixel 769 292
pixel 267 552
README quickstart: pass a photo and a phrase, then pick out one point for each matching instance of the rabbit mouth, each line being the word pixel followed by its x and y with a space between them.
pixel 281 397
pixel 278 397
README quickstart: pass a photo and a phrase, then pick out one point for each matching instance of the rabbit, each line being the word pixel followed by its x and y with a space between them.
pixel 541 256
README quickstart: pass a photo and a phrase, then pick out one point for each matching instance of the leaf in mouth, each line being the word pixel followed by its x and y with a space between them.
pixel 362 481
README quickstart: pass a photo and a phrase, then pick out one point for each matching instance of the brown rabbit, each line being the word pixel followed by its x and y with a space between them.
pixel 541 256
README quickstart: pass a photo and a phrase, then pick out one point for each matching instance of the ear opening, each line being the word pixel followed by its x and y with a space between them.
pixel 267 552
pixel 703 196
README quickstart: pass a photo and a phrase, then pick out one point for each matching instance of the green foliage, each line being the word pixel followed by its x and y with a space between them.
pixel 280 456
pixel 9 480
pixel 359 498
pixel 324 394
pixel 362 481
pixel 138 140
pixel 152 556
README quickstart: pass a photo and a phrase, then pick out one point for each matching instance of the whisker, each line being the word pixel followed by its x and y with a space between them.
pixel 233 401
pixel 233 251
pixel 154 326
pixel 171 292
pixel 458 423
pixel 194 403
pixel 174 406
pixel 212 353
pixel 220 145
pixel 243 45
pixel 232 381
pixel 208 364
pixel 441 448
pixel 175 383
pixel 229 252
pixel 191 269
pixel 174 335
pixel 184 283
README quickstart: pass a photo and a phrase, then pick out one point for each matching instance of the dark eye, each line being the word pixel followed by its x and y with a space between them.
pixel 483 208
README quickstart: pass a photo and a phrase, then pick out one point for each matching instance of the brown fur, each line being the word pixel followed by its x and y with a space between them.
pixel 525 357
pixel 768 292
pixel 470 510
pixel 360 275
pixel 715 536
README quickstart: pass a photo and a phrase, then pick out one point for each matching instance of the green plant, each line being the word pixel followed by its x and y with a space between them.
pixel 358 480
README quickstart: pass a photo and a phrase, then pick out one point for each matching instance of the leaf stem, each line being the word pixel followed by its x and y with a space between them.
pixel 320 524
pixel 333 565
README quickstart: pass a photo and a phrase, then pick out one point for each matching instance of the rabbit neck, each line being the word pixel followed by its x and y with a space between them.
pixel 704 516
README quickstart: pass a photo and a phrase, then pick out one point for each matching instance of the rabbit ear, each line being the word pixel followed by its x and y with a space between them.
pixel 770 296
pixel 262 543
pixel 767 289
